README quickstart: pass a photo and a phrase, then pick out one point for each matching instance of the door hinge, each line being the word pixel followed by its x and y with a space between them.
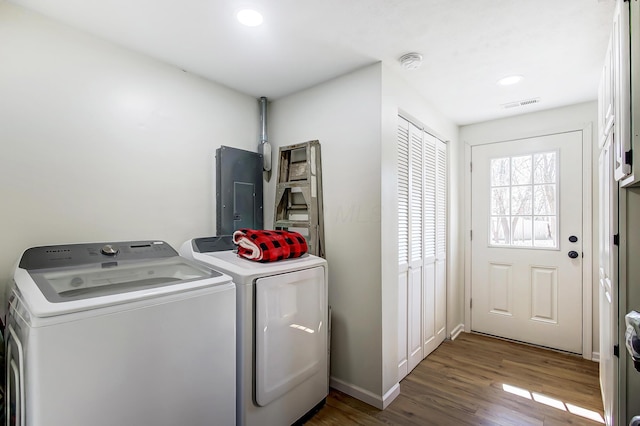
pixel 471 234
pixel 616 240
pixel 628 157
pixel 470 303
pixel 471 167
pixel 616 350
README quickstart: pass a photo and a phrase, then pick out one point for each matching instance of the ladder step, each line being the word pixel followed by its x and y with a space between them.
pixel 298 170
pixel 292 224
pixel 298 207
pixel 297 184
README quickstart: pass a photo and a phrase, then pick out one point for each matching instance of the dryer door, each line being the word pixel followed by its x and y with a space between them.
pixel 291 331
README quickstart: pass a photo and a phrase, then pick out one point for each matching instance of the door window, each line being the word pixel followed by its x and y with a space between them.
pixel 524 203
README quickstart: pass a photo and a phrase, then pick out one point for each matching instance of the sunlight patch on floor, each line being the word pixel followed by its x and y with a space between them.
pixel 553 402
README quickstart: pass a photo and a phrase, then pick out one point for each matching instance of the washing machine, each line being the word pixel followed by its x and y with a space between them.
pixel 282 318
pixel 125 333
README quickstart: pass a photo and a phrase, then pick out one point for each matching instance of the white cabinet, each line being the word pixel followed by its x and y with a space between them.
pixel 621 91
pixel 631 58
pixel 422 201
pixel 615 96
pixel 614 93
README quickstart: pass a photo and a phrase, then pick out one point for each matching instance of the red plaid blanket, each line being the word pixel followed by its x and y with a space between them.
pixel 269 246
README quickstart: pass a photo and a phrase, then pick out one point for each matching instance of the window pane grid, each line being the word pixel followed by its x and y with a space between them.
pixel 523 201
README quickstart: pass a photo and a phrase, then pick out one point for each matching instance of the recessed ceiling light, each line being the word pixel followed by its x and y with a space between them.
pixel 509 80
pixel 249 17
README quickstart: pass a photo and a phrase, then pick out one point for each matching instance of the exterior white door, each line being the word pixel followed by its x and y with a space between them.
pixel 526 276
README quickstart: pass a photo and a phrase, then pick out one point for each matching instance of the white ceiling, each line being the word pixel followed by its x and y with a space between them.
pixel 558 45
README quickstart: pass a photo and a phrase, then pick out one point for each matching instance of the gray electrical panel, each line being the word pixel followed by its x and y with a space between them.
pixel 238 190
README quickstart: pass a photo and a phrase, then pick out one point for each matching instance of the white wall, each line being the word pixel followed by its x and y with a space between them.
pixel 344 115
pixel 99 143
pixel 355 119
pixel 575 117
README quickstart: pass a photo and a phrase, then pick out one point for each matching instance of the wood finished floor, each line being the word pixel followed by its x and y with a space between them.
pixel 461 383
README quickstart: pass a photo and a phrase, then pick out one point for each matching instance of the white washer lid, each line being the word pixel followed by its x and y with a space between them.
pixel 118 291
pixel 76 283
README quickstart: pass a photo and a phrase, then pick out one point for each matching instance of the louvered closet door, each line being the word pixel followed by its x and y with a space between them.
pixel 422 210
pixel 441 243
pixel 429 260
pixel 416 165
pixel 434 264
pixel 403 245
pixel 410 228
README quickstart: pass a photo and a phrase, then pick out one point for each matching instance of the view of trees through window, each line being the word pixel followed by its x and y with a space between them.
pixel 524 206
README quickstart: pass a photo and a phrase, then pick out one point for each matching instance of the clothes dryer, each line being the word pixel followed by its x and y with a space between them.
pixel 282 318
pixel 119 334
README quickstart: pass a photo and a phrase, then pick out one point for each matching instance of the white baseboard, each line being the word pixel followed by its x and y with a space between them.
pixel 456 331
pixel 595 356
pixel 380 402
pixel 391 394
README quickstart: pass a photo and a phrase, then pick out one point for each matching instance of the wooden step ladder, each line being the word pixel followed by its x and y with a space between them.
pixel 298 205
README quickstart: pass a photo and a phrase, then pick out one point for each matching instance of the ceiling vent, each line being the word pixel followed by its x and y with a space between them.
pixel 517 104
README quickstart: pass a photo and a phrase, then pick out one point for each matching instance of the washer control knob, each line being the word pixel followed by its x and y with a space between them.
pixel 109 250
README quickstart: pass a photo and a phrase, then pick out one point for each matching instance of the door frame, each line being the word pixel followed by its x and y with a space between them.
pixel 587 231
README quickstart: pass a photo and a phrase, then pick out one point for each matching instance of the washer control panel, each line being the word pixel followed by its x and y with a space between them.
pixel 85 254
pixel 109 250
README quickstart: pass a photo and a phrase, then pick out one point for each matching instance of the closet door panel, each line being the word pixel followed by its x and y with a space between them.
pixel 403 248
pixel 422 234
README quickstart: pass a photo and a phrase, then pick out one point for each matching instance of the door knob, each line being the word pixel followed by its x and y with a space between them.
pixel 573 238
pixel 573 254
